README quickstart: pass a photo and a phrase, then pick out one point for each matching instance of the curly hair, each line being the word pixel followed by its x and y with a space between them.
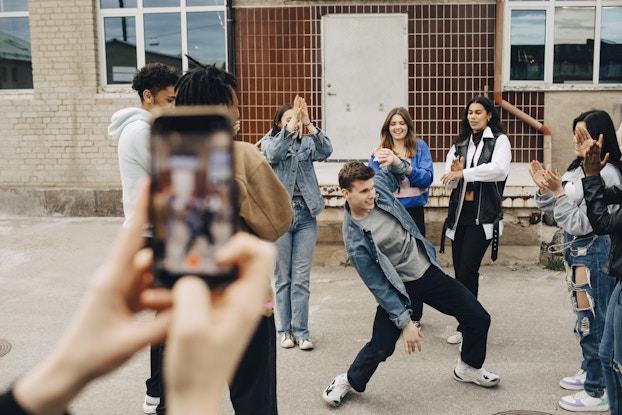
pixel 154 77
pixel 353 171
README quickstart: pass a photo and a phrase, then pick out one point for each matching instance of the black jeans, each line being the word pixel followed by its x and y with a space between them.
pixel 417 215
pixel 443 293
pixel 253 389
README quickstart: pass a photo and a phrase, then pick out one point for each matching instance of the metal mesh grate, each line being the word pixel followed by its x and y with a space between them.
pixel 5 347
pixel 522 412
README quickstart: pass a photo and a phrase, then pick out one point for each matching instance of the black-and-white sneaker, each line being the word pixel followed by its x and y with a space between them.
pixel 481 377
pixel 337 389
pixel 287 340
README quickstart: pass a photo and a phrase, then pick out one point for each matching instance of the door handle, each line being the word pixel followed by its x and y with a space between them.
pixel 331 93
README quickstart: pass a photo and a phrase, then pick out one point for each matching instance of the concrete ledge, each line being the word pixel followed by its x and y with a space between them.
pixel 60 202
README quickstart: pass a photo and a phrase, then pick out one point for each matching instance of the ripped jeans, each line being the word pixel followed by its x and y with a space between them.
pixel 587 257
pixel 611 351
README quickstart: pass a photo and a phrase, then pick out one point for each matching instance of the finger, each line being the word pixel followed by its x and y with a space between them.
pixel 605 160
pixel 192 307
pixel 139 334
pixel 600 140
pixel 156 298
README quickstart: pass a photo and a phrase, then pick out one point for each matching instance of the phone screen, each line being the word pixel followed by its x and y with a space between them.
pixel 192 200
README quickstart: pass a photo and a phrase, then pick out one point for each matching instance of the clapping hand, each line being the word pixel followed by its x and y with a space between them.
pixel 592 164
pixel 456 171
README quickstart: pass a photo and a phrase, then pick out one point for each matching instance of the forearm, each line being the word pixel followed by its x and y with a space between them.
pixel 48 388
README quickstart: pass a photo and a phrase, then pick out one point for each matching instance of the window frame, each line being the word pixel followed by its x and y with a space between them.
pixel 19 14
pixel 138 13
pixel 549 7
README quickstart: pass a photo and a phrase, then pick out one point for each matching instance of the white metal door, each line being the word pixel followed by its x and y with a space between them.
pixel 365 74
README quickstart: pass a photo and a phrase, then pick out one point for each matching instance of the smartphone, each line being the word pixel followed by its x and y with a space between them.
pixel 192 207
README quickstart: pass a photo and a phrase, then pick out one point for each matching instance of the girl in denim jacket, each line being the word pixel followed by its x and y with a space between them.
pixel 291 154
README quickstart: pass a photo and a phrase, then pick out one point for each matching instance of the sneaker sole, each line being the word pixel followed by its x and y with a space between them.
pixel 482 384
pixel 149 410
pixel 569 387
pixel 330 401
pixel 571 408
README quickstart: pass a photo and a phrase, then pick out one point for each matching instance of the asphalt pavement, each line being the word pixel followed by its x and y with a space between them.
pixel 45 265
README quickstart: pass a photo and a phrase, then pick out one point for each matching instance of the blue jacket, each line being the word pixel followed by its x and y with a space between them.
pixel 373 266
pixel 295 163
pixel 419 180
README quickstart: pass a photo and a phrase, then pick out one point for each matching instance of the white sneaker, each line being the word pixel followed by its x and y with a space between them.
pixel 455 338
pixel 481 377
pixel 337 389
pixel 287 340
pixel 150 404
pixel 582 402
pixel 574 382
pixel 305 344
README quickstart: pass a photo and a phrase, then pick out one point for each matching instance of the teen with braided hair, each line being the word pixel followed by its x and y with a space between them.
pixel 265 211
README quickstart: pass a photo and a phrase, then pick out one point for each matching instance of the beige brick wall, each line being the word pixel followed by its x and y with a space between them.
pixel 56 135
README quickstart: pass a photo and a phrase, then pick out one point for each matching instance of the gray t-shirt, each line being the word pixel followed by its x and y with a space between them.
pixel 403 250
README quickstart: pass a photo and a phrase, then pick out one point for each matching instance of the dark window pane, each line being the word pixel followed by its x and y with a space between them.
pixel 161 3
pixel 163 38
pixel 527 38
pixel 117 4
pixel 13 5
pixel 120 33
pixel 573 54
pixel 205 2
pixel 206 38
pixel 15 56
pixel 611 45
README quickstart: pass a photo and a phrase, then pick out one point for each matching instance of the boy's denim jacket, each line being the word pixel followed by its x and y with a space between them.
pixel 373 266
pixel 291 165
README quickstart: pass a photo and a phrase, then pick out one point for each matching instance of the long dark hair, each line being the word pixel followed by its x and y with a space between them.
pixel 277 119
pixel 599 122
pixel 494 123
pixel 386 140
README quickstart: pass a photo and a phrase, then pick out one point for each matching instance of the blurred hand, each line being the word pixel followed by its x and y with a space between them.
pixel 103 333
pixel 211 329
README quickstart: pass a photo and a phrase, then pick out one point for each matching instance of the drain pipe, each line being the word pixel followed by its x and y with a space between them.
pixel 230 38
pixel 547 143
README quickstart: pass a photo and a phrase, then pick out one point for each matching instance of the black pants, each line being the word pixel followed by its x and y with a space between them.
pixel 443 293
pixel 468 248
pixel 253 389
pixel 417 215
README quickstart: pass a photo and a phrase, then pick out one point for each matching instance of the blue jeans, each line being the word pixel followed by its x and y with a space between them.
pixel 293 270
pixel 591 253
pixel 611 351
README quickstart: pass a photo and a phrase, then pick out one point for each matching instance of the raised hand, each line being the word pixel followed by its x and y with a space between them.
pixel 536 171
pixel 592 164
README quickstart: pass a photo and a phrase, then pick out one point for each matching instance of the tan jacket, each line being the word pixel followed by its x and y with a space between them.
pixel 265 208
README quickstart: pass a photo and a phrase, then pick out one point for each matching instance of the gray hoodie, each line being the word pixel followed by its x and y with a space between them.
pixel 131 128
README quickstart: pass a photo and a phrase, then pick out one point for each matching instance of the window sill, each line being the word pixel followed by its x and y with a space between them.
pixel 541 87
